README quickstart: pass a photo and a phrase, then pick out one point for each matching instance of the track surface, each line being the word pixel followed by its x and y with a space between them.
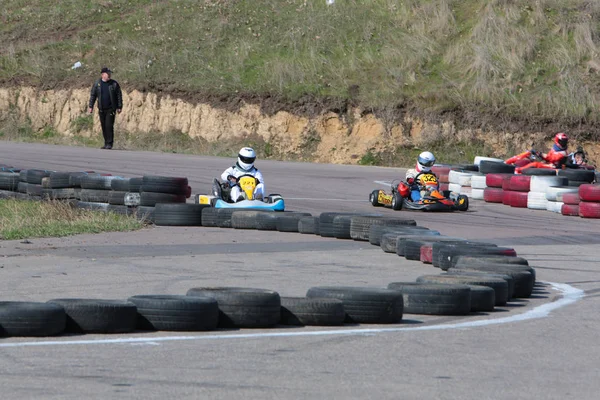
pixel 552 357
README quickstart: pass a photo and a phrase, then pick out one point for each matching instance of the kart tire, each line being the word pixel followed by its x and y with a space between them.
pixel 243 307
pixel 519 183
pixel 210 217
pixel 589 192
pixel 537 201
pixel 397 202
pixel 523 277
pixel 164 184
pixel 98 316
pixel 462 202
pixel 539 171
pixel 570 210
pixel 493 195
pixel 554 193
pixel 364 305
pixel 360 224
pixel 438 299
pixel 97 182
pixel 499 285
pixel 517 199
pixel 510 281
pixel 308 225
pixel 376 231
pixel 150 199
pixel 494 167
pixel 23 318
pixel 496 180
pixel 580 175
pixel 116 197
pixel 93 206
pixel 178 214
pixel 588 209
pixel 373 198
pixel 312 311
pixel 175 313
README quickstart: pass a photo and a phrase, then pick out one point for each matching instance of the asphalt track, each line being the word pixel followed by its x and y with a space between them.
pixel 541 348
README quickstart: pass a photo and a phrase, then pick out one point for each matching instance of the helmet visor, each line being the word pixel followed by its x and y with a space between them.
pixel 426 163
pixel 563 142
pixel 247 160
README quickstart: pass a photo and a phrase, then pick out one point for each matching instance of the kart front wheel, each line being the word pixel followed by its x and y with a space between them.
pixel 462 203
pixel 397 202
pixel 373 198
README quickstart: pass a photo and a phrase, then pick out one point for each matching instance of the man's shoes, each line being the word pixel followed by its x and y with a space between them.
pixel 103 147
pixel 108 147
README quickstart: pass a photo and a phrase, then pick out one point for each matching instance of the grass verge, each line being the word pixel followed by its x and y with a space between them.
pixel 29 219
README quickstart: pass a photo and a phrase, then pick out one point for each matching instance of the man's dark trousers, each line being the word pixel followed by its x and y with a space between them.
pixel 107 121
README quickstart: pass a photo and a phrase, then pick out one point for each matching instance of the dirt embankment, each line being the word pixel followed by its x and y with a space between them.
pixel 327 137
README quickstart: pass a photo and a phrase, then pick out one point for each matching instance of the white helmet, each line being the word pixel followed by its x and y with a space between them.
pixel 425 161
pixel 246 158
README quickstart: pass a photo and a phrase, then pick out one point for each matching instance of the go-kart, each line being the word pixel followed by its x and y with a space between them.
pixel 221 196
pixel 434 200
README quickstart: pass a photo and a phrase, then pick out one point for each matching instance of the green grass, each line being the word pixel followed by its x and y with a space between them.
pixel 29 219
pixel 534 61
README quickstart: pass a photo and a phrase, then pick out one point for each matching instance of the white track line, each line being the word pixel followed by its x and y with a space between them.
pixel 386 183
pixel 569 295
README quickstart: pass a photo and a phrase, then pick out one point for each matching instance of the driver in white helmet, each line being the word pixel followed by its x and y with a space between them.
pixel 244 166
pixel 425 161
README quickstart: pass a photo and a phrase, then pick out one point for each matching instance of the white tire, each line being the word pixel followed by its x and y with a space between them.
pixel 466 190
pixel 539 183
pixel 478 182
pixel 476 194
pixel 537 200
pixel 479 159
pixel 554 206
pixel 459 178
pixel 454 187
pixel 553 191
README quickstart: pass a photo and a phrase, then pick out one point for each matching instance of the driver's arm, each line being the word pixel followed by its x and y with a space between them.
pixel 226 173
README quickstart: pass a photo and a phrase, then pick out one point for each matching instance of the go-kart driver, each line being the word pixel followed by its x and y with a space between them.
pixel 419 189
pixel 244 166
pixel 555 158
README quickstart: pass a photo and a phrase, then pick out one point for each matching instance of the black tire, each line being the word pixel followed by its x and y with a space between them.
pixel 288 222
pixel 121 210
pixel 373 198
pixel 164 184
pixel 465 243
pixel 75 178
pixel 326 223
pixel 150 199
pixel 176 313
pixel 490 259
pixel 417 241
pixel 581 175
pixel 31 319
pixel 94 195
pixel 341 226
pixel 22 187
pixel 364 305
pixel 524 278
pixel 308 225
pixel 116 198
pixel 9 181
pixel 35 176
pixel 466 167
pixel 361 224
pixel 93 206
pixel 483 298
pixel 135 184
pixel 245 219
pixel 397 202
pixel 538 171
pixel 430 299
pixel 97 182
pixel 446 255
pixel 121 185
pixel 376 231
pixel 23 176
pixel 58 194
pixel 267 221
pixel 98 316
pixel 59 180
pixel 178 214
pixel 494 167
pixel 500 286
pixel 510 281
pixel 224 217
pixel 144 213
pixel 243 307
pixel 576 183
pixel 462 202
pixel 210 217
pixel 34 189
pixel 313 311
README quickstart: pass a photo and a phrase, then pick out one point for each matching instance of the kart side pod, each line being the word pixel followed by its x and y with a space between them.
pixel 403 189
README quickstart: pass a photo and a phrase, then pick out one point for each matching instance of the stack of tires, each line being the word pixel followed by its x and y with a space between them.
pixel 589 205
pixel 442 172
pixel 120 189
pixel 34 177
pixel 570 205
pixel 460 181
pixel 163 201
pixel 540 184
pixel 494 192
pixel 58 186
pixel 517 192
pixel 554 195
pixel 497 180
pixel 95 191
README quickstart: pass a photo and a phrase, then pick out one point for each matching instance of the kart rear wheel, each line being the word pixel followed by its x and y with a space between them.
pixel 462 203
pixel 397 202
pixel 373 198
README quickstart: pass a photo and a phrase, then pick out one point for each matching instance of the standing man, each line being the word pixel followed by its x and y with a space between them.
pixel 110 102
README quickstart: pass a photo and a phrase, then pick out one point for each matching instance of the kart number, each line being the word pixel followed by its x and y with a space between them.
pixel 428 178
pixel 383 198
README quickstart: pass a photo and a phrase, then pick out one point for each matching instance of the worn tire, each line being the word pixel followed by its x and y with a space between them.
pixel 9 181
pixel 35 176
pixel 360 225
pixel 589 192
pixel 176 313
pixel 98 316
pixel 308 225
pixel 150 199
pixel 178 214
pixel 94 195
pixel 116 198
pixel 500 286
pixel 493 167
pixel 523 275
pixel 312 311
pixel 588 209
pixel 570 210
pixel 97 182
pixel 243 307
pixel 539 172
pixel 510 281
pixel 288 222
pixel 376 231
pixel 244 219
pixel 364 305
pixel 31 319
pixel 579 175
pixel 164 184
pixel 430 299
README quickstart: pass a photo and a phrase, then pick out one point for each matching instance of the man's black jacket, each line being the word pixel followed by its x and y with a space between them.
pixel 116 97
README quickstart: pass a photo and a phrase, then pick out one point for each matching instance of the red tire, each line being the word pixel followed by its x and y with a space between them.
pixel 588 209
pixel 570 209
pixel 495 180
pixel 571 198
pixel 444 178
pixel 493 194
pixel 589 192
pixel 440 170
pixel 519 183
pixel 426 254
pixel 506 182
pixel 518 199
pixel 506 197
